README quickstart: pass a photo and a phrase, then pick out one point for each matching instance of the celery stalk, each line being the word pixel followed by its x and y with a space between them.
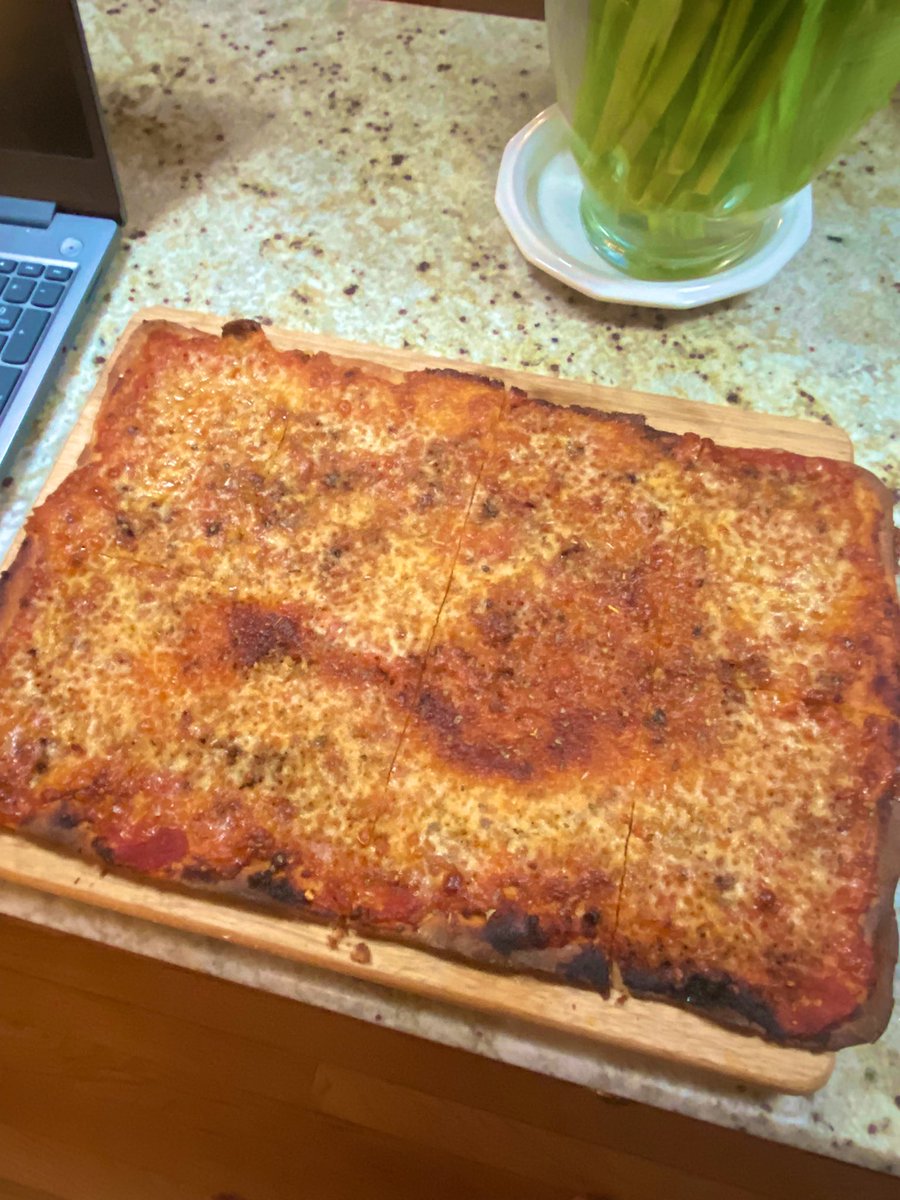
pixel 711 93
pixel 732 128
pixel 659 89
pixel 690 103
pixel 759 29
pixel 753 77
pixel 636 51
pixel 605 31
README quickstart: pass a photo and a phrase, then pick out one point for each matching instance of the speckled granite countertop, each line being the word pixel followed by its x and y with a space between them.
pixel 329 165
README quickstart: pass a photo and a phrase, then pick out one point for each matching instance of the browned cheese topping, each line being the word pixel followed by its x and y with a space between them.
pixel 443 660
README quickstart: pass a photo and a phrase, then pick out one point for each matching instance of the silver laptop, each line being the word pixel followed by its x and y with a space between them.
pixel 60 206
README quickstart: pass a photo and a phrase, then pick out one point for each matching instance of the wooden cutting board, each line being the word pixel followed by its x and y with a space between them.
pixel 671 1034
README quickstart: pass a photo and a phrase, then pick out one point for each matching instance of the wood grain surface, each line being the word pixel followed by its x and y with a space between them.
pixel 667 1033
pixel 131 1079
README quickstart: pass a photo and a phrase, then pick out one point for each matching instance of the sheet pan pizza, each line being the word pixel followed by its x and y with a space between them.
pixel 539 686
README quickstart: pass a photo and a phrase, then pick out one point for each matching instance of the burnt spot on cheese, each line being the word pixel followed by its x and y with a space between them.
pixel 756 668
pixel 591 918
pixel 103 850
pixel 263 767
pixel 482 756
pixel 874 728
pixel 437 711
pixel 497 621
pixel 124 529
pixel 257 633
pixel 66 816
pixel 272 883
pixel 509 929
pixel 819 697
pixel 438 459
pixel 589 967
pixel 200 873
pixel 572 737
pixel 42 757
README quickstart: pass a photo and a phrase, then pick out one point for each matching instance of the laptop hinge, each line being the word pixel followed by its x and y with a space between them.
pixel 38 213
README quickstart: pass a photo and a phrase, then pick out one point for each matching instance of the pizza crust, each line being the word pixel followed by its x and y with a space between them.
pixel 15 582
pixel 513 944
pixel 506 942
pixel 881 927
pixel 881 921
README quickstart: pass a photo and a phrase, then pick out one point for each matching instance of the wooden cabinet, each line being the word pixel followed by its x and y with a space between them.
pixel 127 1079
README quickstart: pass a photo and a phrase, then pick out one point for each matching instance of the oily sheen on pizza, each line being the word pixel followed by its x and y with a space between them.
pixel 540 686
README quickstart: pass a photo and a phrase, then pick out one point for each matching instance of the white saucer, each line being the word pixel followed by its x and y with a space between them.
pixel 538 193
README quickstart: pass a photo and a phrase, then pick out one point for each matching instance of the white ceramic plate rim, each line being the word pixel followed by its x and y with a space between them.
pixel 542 142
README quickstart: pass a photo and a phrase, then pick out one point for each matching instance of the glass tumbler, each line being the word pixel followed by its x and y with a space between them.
pixel 692 121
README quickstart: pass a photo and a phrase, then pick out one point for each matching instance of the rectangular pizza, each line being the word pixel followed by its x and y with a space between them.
pixel 428 658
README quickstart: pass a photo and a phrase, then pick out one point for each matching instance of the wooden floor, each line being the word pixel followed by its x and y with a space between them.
pixel 125 1079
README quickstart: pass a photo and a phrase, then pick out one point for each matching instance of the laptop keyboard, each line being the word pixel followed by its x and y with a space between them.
pixel 29 293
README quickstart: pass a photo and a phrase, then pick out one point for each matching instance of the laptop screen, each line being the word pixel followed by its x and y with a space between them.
pixel 52 143
pixel 40 109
